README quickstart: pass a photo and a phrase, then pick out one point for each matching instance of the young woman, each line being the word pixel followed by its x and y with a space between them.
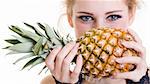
pixel 84 15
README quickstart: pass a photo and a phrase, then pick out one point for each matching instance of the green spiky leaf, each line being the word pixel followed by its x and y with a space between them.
pixel 22 47
pixel 24 57
pixel 31 35
pixel 48 31
pixel 35 29
pixel 42 69
pixel 25 33
pixel 16 30
pixel 38 46
pixel 22 39
pixel 12 52
pixel 30 62
pixel 12 41
pixel 6 47
pixel 44 55
pixel 38 61
pixel 41 26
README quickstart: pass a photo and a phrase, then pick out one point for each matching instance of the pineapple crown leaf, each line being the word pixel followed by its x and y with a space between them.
pixel 22 47
pixel 49 32
pixel 44 29
pixel 42 69
pixel 24 33
pixel 22 39
pixel 69 37
pixel 6 47
pixel 24 57
pixel 35 29
pixel 16 30
pixel 57 34
pixel 44 55
pixel 31 62
pixel 12 41
pixel 37 46
pixel 41 26
pixel 12 52
pixel 31 35
pixel 38 61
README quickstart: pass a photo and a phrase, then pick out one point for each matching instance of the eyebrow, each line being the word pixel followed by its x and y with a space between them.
pixel 85 13
pixel 113 12
pixel 105 13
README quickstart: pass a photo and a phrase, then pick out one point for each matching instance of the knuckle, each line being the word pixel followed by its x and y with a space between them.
pixel 59 58
pixel 139 76
pixel 74 80
pixel 47 62
pixel 74 74
pixel 70 44
pixel 63 79
pixel 137 79
pixel 52 52
pixel 139 60
pixel 50 66
pixel 57 77
pixel 66 62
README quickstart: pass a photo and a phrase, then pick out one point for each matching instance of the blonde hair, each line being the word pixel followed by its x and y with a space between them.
pixel 132 4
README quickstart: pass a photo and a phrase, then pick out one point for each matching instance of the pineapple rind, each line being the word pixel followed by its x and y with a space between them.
pixel 103 46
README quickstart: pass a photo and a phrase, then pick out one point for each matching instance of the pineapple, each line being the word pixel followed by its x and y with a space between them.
pixel 99 47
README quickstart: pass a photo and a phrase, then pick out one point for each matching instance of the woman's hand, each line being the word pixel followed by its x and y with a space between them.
pixel 140 63
pixel 59 61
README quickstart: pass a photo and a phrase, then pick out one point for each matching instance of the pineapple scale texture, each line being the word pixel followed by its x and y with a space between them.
pixel 99 47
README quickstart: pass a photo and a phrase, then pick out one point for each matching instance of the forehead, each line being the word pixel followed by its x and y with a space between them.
pixel 100 5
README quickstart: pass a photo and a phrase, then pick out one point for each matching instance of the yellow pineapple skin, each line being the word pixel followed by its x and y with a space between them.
pixel 99 47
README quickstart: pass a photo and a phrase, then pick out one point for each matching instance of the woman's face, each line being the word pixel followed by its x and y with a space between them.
pixel 89 14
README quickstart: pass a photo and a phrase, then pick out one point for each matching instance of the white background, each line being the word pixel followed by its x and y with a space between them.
pixel 47 11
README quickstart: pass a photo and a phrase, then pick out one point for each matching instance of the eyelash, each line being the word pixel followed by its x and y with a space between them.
pixel 110 18
pixel 113 17
pixel 86 18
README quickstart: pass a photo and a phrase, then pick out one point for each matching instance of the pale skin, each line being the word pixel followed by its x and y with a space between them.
pixel 89 14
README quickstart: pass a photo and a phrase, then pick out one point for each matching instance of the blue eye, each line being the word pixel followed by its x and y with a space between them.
pixel 113 17
pixel 86 18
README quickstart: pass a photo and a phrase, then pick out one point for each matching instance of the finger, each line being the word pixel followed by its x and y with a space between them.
pixel 75 74
pixel 51 57
pixel 67 61
pixel 140 63
pixel 60 57
pixel 135 46
pixel 135 35
pixel 133 75
pixel 129 59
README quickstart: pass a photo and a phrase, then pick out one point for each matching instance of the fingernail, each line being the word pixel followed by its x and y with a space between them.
pixel 77 44
pixel 112 77
pixel 123 42
pixel 118 59
pixel 120 40
pixel 80 56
